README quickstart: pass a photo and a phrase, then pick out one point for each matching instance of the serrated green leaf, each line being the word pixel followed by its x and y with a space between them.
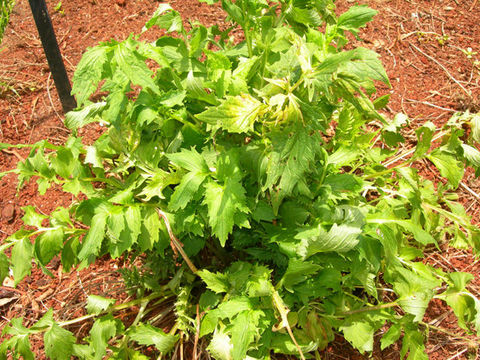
pixel 165 18
pixel 220 346
pixel 419 234
pixel 102 331
pixel 157 183
pixel 23 347
pixel 93 157
pixel 355 18
pixel 424 139
pixel 186 190
pixel 98 304
pixel 93 240
pixel 297 272
pixel 32 218
pixel 133 66
pixel 366 66
pixel 448 166
pixel 413 343
pixel 19 342
pixel 216 282
pixel 89 72
pixel 129 235
pixel 359 333
pixel 150 231
pixel 196 89
pixel 21 259
pixel 189 160
pixel 224 202
pixel 64 163
pixel 74 120
pixel 243 332
pixel 340 238
pixel 208 300
pixel 415 304
pixel 472 155
pixel 236 114
pixel 48 244
pixel 58 343
pixel 391 336
pixel 146 334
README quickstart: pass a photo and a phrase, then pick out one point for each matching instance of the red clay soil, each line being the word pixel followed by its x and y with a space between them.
pixel 430 48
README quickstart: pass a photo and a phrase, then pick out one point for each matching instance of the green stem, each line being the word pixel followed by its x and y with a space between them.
pixel 141 312
pixel 369 308
pixel 386 171
pixel 471 343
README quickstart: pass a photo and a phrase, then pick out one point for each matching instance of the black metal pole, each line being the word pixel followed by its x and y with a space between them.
pixel 52 52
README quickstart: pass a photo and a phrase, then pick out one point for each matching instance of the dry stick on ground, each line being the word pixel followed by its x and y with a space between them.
pixel 469 94
pixel 14 152
pixel 473 5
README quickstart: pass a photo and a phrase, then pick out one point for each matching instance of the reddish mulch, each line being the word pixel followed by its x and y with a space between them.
pixel 423 44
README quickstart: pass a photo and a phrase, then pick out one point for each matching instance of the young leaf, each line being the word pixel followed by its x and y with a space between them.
pixel 48 244
pixel 97 304
pixel 32 218
pixel 391 336
pixel 150 231
pixel 186 190
pixel 243 333
pixel 21 259
pixel 236 114
pixel 216 282
pixel 359 332
pixel 189 160
pixel 74 120
pixel 355 18
pixel 413 343
pixel 220 346
pixel 146 334
pixel 166 18
pixel 58 343
pixel 448 166
pixel 89 72
pixel 133 67
pixel 102 331
pixel 224 203
pixel 93 241
pixel 340 238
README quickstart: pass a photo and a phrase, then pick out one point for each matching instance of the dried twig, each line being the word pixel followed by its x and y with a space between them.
pixel 443 68
pixel 176 244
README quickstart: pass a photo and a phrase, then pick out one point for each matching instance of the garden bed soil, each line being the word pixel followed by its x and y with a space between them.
pixel 428 47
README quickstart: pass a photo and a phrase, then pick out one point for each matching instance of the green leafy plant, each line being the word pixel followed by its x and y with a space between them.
pixel 6 7
pixel 265 168
pixel 59 8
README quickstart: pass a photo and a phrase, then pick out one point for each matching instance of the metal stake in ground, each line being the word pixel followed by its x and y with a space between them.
pixel 52 52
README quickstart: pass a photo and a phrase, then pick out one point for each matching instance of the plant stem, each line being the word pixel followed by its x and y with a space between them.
pixel 175 242
pixel 283 310
pixel 369 308
pixel 471 343
pixel 386 171
pixel 114 308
